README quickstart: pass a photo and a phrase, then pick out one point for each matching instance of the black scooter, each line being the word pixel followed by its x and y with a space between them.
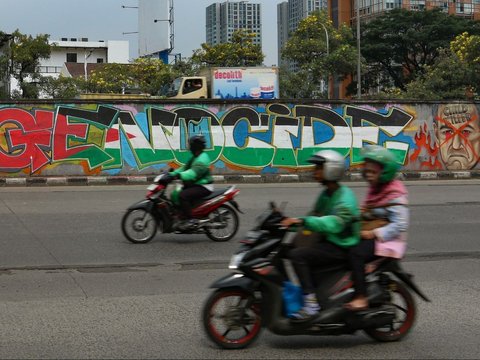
pixel 251 297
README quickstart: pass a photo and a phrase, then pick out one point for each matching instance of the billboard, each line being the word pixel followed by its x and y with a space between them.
pixel 153 26
pixel 245 83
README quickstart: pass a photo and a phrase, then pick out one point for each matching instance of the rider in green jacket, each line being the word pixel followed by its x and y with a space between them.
pixel 334 220
pixel 196 177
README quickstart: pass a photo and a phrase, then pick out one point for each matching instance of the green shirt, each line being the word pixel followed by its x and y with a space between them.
pixel 196 170
pixel 337 217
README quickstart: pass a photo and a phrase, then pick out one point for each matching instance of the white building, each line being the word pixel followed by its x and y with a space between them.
pixel 80 51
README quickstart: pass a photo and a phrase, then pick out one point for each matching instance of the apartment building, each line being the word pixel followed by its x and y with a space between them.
pixel 222 19
pixel 289 15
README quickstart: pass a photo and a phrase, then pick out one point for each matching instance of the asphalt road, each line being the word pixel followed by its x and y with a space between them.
pixel 77 226
pixel 72 287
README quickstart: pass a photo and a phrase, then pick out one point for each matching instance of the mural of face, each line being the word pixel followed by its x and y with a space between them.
pixel 457 128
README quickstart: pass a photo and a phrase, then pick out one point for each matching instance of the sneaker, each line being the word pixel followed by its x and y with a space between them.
pixel 192 223
pixel 309 310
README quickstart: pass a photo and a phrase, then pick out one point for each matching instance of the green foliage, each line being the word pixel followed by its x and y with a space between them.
pixel 313 55
pixel 455 74
pixel 24 59
pixel 145 74
pixel 297 84
pixel 239 52
pixel 185 68
pixel 405 43
pixel 60 88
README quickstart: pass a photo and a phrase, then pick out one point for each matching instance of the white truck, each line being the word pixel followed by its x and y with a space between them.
pixel 228 83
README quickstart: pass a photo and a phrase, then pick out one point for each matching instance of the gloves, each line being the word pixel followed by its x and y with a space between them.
pixel 170 177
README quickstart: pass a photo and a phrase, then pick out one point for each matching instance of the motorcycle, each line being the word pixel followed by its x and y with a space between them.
pixel 216 213
pixel 251 297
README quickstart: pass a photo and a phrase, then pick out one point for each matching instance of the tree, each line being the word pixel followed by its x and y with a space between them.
pixel 24 58
pixel 150 75
pixel 313 55
pixel 297 84
pixel 403 43
pixel 241 51
pixel 185 67
pixel 145 74
pixel 60 88
pixel 454 75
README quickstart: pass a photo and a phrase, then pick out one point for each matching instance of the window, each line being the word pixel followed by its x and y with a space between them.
pixel 99 60
pixel 72 57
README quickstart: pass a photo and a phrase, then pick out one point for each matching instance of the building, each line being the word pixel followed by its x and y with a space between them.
pixel 79 51
pixel 289 15
pixel 345 11
pixel 222 19
pixel 5 40
pixel 370 8
pixel 83 51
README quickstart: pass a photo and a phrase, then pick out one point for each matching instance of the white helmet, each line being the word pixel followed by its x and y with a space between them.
pixel 333 164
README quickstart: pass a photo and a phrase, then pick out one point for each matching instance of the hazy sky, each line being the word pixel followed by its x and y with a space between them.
pixel 107 20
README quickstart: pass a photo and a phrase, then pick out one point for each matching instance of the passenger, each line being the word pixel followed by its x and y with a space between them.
pixel 385 218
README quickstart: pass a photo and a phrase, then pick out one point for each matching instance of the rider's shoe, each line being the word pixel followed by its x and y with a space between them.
pixel 192 223
pixel 188 224
pixel 309 310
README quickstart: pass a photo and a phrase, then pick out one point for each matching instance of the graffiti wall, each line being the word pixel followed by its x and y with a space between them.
pixel 87 138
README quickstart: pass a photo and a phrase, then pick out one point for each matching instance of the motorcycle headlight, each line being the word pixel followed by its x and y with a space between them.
pixel 236 260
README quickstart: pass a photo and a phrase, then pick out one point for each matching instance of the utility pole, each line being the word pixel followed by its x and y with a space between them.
pixel 359 70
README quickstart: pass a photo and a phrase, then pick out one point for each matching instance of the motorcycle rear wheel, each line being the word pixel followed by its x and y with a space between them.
pixel 139 226
pixel 223 223
pixel 403 300
pixel 231 318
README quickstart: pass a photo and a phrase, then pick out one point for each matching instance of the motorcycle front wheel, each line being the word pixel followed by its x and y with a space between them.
pixel 223 223
pixel 404 320
pixel 139 226
pixel 231 318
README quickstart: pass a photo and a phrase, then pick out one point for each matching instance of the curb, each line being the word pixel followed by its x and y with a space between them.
pixel 245 179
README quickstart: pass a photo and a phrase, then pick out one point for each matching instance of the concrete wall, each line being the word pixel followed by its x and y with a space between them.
pixel 139 138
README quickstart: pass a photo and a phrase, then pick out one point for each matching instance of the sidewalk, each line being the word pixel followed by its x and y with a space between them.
pixel 252 179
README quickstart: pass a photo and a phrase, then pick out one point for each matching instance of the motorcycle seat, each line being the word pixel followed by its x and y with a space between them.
pixel 331 267
pixel 369 266
pixel 214 194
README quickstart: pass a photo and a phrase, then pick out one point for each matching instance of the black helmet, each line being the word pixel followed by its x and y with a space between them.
pixel 197 143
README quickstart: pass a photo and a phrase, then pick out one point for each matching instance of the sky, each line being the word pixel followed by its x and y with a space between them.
pixel 107 20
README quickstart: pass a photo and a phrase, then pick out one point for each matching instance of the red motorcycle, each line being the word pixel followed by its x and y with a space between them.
pixel 216 214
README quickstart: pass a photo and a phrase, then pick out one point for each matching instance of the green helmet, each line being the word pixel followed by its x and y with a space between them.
pixel 385 158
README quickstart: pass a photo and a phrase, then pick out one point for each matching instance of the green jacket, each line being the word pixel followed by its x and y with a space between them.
pixel 196 170
pixel 337 217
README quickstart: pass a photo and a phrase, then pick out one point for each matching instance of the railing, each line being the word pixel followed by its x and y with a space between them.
pixel 49 69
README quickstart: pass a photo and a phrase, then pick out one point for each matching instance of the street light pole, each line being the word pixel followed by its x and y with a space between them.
pixel 328 53
pixel 359 79
pixel 85 63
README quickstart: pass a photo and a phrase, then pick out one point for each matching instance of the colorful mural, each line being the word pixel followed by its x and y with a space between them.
pixel 88 138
